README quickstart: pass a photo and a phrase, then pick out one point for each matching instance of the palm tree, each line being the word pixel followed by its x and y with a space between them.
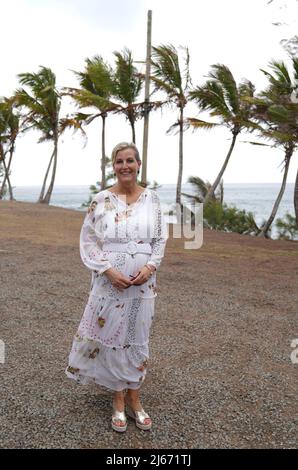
pixel 9 129
pixel 223 98
pixel 169 77
pixel 278 113
pixel 43 106
pixel 294 98
pixel 96 90
pixel 127 87
pixel 201 189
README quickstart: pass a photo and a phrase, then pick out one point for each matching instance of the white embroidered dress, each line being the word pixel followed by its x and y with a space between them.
pixel 111 346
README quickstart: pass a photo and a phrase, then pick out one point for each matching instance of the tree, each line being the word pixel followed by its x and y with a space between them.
pixel 109 91
pixel 4 186
pixel 201 189
pixel 278 113
pixel 223 98
pixel 42 104
pixel 127 87
pixel 96 91
pixel 169 77
pixel 9 130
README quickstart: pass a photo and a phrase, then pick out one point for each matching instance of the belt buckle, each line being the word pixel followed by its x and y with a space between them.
pixel 131 248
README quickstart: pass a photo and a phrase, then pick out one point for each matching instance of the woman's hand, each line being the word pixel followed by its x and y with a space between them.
pixel 142 276
pixel 118 279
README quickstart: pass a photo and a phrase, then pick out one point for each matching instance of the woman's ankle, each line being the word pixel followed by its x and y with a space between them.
pixel 118 399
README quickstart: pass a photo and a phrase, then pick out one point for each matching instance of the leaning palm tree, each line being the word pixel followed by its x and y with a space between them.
pixel 277 112
pixel 223 98
pixel 96 91
pixel 169 77
pixel 9 130
pixel 42 104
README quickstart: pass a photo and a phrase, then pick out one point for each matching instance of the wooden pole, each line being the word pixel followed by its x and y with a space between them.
pixel 146 107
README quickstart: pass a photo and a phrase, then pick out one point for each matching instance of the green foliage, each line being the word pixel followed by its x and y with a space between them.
pixel 287 228
pixel 42 105
pixel 227 218
pixel 201 188
pixel 127 82
pixel 223 98
pixel 171 72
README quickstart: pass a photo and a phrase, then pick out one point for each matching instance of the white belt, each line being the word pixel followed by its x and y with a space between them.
pixel 131 247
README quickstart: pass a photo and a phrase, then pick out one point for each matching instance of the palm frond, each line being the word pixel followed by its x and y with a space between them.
pixel 199 124
pixel 127 84
pixel 210 97
pixel 256 143
pixel 165 66
pixel 224 77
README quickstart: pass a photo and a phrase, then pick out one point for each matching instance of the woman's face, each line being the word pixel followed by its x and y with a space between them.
pixel 126 166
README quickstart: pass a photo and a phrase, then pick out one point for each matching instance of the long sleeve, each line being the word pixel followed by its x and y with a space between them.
pixel 160 233
pixel 90 245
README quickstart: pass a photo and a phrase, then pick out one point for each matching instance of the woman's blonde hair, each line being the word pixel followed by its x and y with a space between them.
pixel 123 146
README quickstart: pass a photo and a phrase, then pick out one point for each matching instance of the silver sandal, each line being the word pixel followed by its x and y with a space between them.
pixel 118 416
pixel 139 417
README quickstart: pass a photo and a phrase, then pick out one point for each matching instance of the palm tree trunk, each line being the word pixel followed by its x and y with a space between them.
pixel 40 199
pixel 296 198
pixel 2 161
pixel 6 176
pixel 48 195
pixel 219 176
pixel 11 150
pixel 180 168
pixel 132 125
pixel 265 229
pixel 103 153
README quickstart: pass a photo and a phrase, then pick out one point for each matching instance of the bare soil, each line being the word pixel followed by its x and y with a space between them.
pixel 220 372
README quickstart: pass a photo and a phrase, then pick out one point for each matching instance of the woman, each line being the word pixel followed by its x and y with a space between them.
pixel 122 241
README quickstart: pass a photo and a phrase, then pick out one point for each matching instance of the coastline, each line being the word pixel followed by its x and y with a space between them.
pixel 220 343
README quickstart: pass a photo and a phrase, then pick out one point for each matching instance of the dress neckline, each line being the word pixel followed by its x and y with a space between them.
pixel 130 203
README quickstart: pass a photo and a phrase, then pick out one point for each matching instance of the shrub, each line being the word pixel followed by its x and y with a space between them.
pixel 227 218
pixel 287 228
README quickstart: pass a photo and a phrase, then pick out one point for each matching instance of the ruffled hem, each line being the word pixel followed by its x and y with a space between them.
pixel 85 380
pixel 91 362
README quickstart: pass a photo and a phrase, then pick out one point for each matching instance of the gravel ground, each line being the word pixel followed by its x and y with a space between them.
pixel 220 373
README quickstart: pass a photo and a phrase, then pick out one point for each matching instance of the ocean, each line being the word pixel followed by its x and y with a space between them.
pixel 256 198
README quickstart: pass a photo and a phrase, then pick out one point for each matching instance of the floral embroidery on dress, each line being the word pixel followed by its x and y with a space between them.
pixel 94 353
pixel 101 321
pixel 108 205
pixel 72 370
pixel 92 207
pixel 119 217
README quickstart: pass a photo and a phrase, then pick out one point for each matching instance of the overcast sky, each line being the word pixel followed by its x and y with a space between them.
pixel 61 34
